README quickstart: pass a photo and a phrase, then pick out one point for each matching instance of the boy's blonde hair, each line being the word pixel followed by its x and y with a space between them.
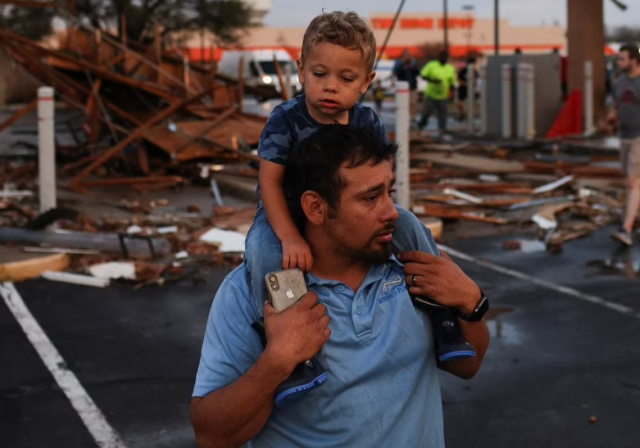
pixel 346 29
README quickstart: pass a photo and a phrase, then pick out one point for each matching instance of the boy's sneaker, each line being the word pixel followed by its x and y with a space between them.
pixel 305 377
pixel 447 333
pixel 623 236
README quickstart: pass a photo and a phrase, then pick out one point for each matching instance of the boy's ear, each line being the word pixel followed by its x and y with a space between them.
pixel 368 82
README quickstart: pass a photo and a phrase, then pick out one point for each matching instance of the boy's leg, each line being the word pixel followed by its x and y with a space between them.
pixel 263 254
pixel 411 234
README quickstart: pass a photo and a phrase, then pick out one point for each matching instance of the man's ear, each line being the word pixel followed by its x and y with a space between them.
pixel 368 82
pixel 314 207
pixel 300 70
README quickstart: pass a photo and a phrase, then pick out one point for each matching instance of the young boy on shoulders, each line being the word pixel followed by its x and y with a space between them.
pixel 335 68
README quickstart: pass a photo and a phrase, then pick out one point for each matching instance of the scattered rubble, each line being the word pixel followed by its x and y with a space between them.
pixel 567 196
pixel 151 120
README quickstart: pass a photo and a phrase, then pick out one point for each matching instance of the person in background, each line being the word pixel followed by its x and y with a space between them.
pixel 406 69
pixel 564 80
pixel 625 115
pixel 464 89
pixel 441 78
pixel 378 96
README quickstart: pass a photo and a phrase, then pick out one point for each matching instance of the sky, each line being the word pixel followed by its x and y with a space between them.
pixel 296 13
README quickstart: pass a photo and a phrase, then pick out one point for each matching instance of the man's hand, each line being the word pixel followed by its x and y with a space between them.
pixel 611 123
pixel 296 334
pixel 440 279
pixel 296 253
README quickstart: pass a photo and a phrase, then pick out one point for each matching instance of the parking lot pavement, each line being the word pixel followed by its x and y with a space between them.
pixel 555 360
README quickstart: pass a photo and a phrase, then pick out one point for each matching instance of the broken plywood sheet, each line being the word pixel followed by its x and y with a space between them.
pixel 182 146
pixel 477 164
pixel 17 271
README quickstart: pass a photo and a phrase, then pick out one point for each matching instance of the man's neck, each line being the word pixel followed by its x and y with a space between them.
pixel 329 263
pixel 634 73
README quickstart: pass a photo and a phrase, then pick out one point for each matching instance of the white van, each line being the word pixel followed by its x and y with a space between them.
pixel 259 67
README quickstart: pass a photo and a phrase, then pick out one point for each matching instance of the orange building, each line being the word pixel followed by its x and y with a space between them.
pixel 413 32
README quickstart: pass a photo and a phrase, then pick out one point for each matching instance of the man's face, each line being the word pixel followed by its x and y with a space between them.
pixel 625 64
pixel 333 78
pixel 366 217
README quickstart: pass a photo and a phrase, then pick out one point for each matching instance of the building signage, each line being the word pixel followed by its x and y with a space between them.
pixel 423 23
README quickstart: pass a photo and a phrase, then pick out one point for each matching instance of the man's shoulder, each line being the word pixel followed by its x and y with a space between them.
pixel 235 284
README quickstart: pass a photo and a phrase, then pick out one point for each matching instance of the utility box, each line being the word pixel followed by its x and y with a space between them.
pixel 524 95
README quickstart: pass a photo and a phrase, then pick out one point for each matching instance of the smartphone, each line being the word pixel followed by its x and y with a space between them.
pixel 285 288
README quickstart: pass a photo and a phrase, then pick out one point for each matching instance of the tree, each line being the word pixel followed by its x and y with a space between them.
pixel 225 19
pixel 624 34
pixel 33 23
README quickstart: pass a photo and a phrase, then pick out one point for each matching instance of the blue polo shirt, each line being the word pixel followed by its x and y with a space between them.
pixel 383 388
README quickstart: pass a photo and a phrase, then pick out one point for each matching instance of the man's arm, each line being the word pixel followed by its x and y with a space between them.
pixel 440 279
pixel 232 415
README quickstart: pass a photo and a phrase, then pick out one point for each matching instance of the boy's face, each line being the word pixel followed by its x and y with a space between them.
pixel 333 78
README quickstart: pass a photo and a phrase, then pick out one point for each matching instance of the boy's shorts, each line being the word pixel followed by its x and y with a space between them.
pixel 630 157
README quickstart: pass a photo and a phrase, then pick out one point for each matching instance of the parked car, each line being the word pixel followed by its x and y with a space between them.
pixel 259 67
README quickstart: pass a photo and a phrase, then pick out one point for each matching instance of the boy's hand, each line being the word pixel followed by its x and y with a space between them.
pixel 296 253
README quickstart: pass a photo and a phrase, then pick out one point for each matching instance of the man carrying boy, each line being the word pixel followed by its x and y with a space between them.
pixel 357 319
pixel 336 67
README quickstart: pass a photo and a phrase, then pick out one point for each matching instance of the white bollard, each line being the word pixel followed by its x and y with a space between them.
pixel 471 99
pixel 46 149
pixel 507 101
pixel 484 104
pixel 589 127
pixel 526 101
pixel 403 120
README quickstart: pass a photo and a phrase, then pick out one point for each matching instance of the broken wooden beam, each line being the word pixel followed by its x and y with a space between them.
pixel 18 115
pixel 203 132
pixel 107 155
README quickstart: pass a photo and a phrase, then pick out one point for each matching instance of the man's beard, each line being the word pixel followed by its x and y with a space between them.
pixel 372 255
pixel 376 256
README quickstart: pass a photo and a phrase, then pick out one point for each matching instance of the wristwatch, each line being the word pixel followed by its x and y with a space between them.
pixel 478 313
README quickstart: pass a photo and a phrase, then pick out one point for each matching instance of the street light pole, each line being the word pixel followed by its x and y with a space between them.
pixel 497 26
pixel 469 9
pixel 446 25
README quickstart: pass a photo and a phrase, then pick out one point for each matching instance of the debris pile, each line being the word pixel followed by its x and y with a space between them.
pixel 147 248
pixel 567 196
pixel 147 115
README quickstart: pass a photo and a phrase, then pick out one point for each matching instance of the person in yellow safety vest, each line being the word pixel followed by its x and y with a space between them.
pixel 441 78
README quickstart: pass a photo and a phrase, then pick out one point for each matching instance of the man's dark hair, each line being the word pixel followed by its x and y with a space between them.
pixel 632 50
pixel 314 164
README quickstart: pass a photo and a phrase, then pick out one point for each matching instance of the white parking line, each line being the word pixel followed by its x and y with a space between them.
pixel 626 310
pixel 104 435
